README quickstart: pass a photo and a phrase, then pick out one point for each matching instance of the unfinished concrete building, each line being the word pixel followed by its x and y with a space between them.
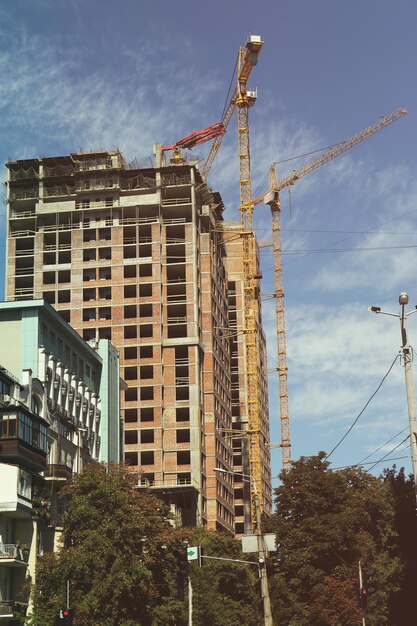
pixel 135 255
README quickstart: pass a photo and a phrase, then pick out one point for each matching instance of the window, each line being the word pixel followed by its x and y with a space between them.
pixel 89 235
pixel 131 415
pixel 28 429
pixel 130 332
pixel 89 294
pixel 147 458
pixel 89 275
pixel 66 315
pixel 129 271
pixel 147 414
pixel 182 393
pixel 8 426
pixel 131 394
pixel 89 254
pixel 130 291
pixel 104 254
pixel 145 270
pixel 49 278
pixel 49 296
pixel 104 273
pixel 131 458
pixel 5 387
pixel 147 436
pixel 145 290
pixel 64 295
pixel 131 353
pixel 146 330
pixel 104 313
pixel 89 314
pixel 130 312
pixel 145 310
pixel 89 334
pixel 183 457
pixel 146 372
pixel 131 373
pixel 183 414
pixel 104 293
pixel 183 435
pixel 131 436
pixel 146 393
pixel 146 352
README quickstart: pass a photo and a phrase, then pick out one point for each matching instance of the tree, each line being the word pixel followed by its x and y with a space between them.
pixel 326 521
pixel 224 593
pixel 116 553
pixel 402 609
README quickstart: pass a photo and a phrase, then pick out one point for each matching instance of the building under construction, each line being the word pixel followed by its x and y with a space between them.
pixel 142 256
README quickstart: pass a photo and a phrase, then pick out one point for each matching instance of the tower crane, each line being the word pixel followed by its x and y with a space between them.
pixel 272 198
pixel 243 99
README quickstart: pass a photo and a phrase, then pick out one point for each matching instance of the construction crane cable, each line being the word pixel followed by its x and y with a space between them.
pixel 366 405
pixel 232 81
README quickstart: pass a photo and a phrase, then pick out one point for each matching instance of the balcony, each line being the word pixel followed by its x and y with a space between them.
pixel 8 609
pixel 13 555
pixel 58 472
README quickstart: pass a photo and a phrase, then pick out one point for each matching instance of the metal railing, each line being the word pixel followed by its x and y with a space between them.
pixel 13 551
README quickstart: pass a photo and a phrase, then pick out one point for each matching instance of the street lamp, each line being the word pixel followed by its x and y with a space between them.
pixel 408 371
pixel 261 547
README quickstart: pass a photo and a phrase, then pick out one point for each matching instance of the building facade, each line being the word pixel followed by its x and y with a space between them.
pixel 135 255
pixel 59 409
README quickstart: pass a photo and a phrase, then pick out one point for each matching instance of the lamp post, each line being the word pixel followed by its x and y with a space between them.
pixel 261 548
pixel 408 371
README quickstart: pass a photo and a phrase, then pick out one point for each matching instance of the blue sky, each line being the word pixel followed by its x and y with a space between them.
pixel 85 74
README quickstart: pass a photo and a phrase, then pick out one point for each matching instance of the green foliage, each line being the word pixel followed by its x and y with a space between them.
pixel 326 521
pixel 402 607
pixel 224 593
pixel 115 553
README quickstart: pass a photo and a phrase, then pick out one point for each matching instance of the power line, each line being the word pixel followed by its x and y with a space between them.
pixel 388 453
pixel 337 250
pixel 382 445
pixel 395 458
pixel 367 403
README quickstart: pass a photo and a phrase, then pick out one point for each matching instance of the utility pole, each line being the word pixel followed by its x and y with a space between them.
pixel 263 574
pixel 360 594
pixel 190 601
pixel 262 565
pixel 408 371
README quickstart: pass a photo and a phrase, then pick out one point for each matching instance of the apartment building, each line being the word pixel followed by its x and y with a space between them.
pixel 134 255
pixel 58 411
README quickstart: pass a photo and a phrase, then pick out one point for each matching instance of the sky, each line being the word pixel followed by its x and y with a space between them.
pixel 88 74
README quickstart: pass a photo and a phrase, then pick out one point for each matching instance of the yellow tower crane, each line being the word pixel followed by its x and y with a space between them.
pixel 272 198
pixel 243 99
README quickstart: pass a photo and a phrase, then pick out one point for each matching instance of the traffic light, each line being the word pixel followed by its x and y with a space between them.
pixel 367 590
pixel 368 580
pixel 183 564
pixel 363 598
pixel 67 616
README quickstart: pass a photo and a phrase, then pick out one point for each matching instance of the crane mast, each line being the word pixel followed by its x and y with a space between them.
pixel 248 58
pixel 243 100
pixel 272 198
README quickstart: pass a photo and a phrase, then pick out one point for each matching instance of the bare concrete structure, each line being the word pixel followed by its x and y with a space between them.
pixel 136 255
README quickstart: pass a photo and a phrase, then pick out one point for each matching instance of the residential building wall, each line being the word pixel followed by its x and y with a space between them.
pixel 134 255
pixel 59 409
